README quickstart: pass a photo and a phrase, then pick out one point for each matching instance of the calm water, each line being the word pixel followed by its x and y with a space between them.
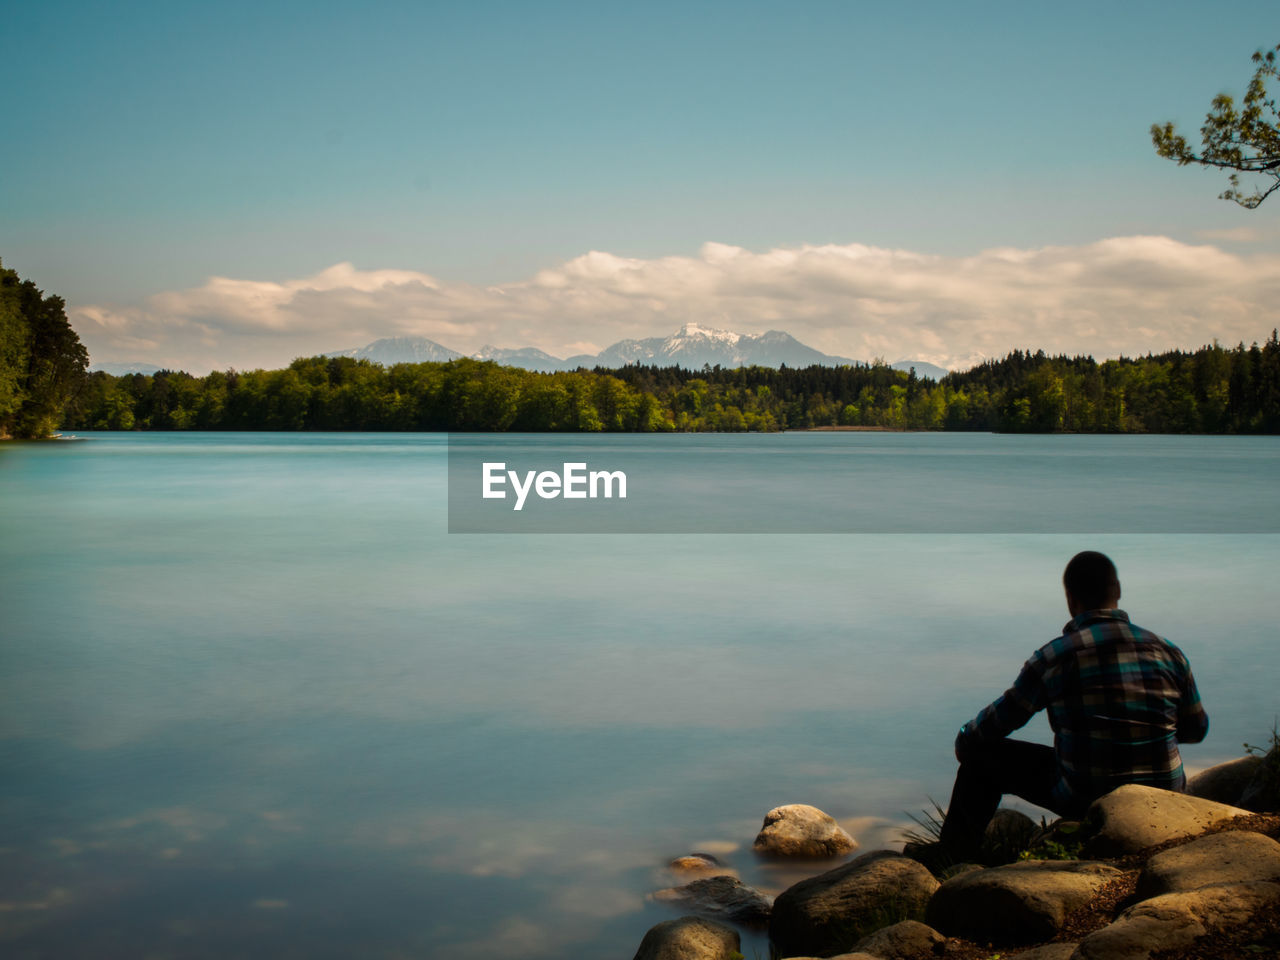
pixel 256 702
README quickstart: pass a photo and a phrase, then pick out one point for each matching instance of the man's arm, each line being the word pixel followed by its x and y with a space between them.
pixel 1193 722
pixel 1008 712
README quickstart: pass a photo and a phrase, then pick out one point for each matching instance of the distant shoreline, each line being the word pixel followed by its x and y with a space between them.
pixel 831 429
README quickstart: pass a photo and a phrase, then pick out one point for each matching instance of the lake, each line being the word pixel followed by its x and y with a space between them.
pixel 258 701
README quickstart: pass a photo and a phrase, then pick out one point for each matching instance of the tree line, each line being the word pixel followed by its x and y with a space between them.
pixel 1210 390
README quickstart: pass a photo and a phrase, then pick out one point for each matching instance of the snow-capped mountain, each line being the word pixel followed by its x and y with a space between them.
pixel 693 346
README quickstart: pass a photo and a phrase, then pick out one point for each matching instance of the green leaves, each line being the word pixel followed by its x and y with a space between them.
pixel 1244 140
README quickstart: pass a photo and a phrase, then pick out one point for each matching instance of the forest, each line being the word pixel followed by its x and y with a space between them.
pixel 1214 389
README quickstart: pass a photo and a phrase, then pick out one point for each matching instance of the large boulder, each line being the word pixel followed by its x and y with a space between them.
pixel 689 938
pixel 1226 782
pixel 1017 903
pixel 1134 817
pixel 721 898
pixel 1175 920
pixel 905 940
pixel 827 914
pixel 1236 856
pixel 799 830
pixel 1137 937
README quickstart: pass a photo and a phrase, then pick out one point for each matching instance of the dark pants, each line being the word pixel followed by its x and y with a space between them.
pixel 989 771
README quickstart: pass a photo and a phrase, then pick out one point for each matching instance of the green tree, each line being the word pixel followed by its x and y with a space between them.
pixel 1244 140
pixel 42 361
pixel 15 346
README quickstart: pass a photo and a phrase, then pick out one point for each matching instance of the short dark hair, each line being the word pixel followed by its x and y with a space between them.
pixel 1091 579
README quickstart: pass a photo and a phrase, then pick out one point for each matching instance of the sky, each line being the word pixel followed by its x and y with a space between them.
pixel 238 184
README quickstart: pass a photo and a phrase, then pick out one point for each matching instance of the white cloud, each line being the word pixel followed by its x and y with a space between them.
pixel 1119 295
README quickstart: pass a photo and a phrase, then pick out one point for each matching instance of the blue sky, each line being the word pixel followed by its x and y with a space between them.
pixel 152 146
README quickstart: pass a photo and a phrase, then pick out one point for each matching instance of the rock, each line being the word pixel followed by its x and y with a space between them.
pixel 827 914
pixel 689 938
pixel 1009 821
pixel 1017 903
pixel 958 870
pixel 1263 792
pixel 1236 856
pixel 721 898
pixel 1226 782
pixel 1173 921
pixel 1136 938
pixel 1007 835
pixel 700 865
pixel 1134 817
pixel 799 830
pixel 906 940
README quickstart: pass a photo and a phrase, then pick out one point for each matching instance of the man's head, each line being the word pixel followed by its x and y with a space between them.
pixel 1091 583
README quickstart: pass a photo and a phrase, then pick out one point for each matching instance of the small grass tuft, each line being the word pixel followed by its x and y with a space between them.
pixel 1263 793
pixel 930 824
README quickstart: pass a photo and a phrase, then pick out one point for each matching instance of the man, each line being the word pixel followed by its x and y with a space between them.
pixel 1120 700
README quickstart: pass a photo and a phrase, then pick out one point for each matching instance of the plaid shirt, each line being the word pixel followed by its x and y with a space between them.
pixel 1119 698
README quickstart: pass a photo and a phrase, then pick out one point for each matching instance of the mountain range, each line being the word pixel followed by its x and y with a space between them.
pixel 692 346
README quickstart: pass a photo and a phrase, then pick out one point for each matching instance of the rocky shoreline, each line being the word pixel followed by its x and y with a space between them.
pixel 1146 874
